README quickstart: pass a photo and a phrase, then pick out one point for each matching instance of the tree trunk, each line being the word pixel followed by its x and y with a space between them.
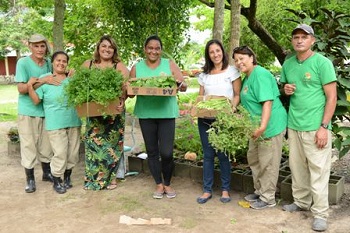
pixel 257 28
pixel 218 29
pixel 58 43
pixel 235 27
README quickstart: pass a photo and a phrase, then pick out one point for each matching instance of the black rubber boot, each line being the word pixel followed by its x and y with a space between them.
pixel 67 180
pixel 47 176
pixel 30 187
pixel 57 185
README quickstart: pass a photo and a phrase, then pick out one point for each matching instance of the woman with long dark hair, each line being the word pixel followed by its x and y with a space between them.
pixel 105 134
pixel 218 79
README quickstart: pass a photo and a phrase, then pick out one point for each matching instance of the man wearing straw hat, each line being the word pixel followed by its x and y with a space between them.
pixel 33 138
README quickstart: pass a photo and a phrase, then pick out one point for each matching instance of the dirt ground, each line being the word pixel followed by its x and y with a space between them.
pixel 99 211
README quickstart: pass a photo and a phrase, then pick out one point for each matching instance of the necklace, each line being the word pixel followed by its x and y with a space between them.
pixel 302 61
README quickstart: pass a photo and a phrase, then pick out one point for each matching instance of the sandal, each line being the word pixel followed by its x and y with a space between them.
pixel 112 185
pixel 170 193
pixel 157 195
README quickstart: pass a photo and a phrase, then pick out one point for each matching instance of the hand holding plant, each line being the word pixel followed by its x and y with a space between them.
pixel 231 131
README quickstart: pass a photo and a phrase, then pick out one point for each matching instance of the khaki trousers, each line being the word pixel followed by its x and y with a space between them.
pixel 264 158
pixel 65 145
pixel 34 141
pixel 310 169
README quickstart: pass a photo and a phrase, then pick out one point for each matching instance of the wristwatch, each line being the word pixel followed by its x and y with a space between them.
pixel 324 125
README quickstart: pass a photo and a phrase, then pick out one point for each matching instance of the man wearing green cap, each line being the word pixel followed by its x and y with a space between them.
pixel 310 81
pixel 34 140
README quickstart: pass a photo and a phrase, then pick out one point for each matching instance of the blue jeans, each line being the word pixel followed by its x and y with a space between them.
pixel 208 160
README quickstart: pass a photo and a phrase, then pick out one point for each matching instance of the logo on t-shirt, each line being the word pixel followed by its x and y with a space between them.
pixel 307 77
pixel 245 90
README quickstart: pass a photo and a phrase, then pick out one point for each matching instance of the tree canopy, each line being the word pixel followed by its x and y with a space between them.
pixel 129 22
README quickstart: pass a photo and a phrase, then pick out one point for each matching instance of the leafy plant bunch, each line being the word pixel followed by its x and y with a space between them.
pixel 214 104
pixel 94 85
pixel 159 82
pixel 231 131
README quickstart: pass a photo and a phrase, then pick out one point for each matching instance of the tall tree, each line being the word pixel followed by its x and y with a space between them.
pixel 129 22
pixel 255 25
pixel 235 26
pixel 17 23
pixel 218 28
pixel 57 28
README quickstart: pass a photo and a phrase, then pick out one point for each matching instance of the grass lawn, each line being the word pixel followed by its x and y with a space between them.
pixel 8 102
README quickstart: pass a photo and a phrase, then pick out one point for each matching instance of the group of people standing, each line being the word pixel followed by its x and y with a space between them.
pixel 50 132
pixel 309 79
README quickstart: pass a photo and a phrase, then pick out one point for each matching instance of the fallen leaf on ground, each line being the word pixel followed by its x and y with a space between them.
pixel 244 204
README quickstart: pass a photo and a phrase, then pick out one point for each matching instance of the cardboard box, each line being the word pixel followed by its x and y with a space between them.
pixel 205 113
pixel 91 109
pixel 132 90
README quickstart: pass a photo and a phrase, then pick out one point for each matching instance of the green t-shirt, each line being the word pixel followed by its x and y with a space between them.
pixel 259 87
pixel 308 101
pixel 25 69
pixel 148 107
pixel 57 113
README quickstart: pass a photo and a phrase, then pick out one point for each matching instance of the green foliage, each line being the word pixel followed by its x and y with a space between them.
pixel 230 132
pixel 18 24
pixel 332 31
pixel 85 22
pixel 191 53
pixel 128 22
pixel 160 82
pixel 4 5
pixel 141 18
pixel 187 98
pixel 187 136
pixel 185 101
pixel 98 85
pixel 214 104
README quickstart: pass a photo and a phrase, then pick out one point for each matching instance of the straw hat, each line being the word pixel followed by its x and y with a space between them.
pixel 35 38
